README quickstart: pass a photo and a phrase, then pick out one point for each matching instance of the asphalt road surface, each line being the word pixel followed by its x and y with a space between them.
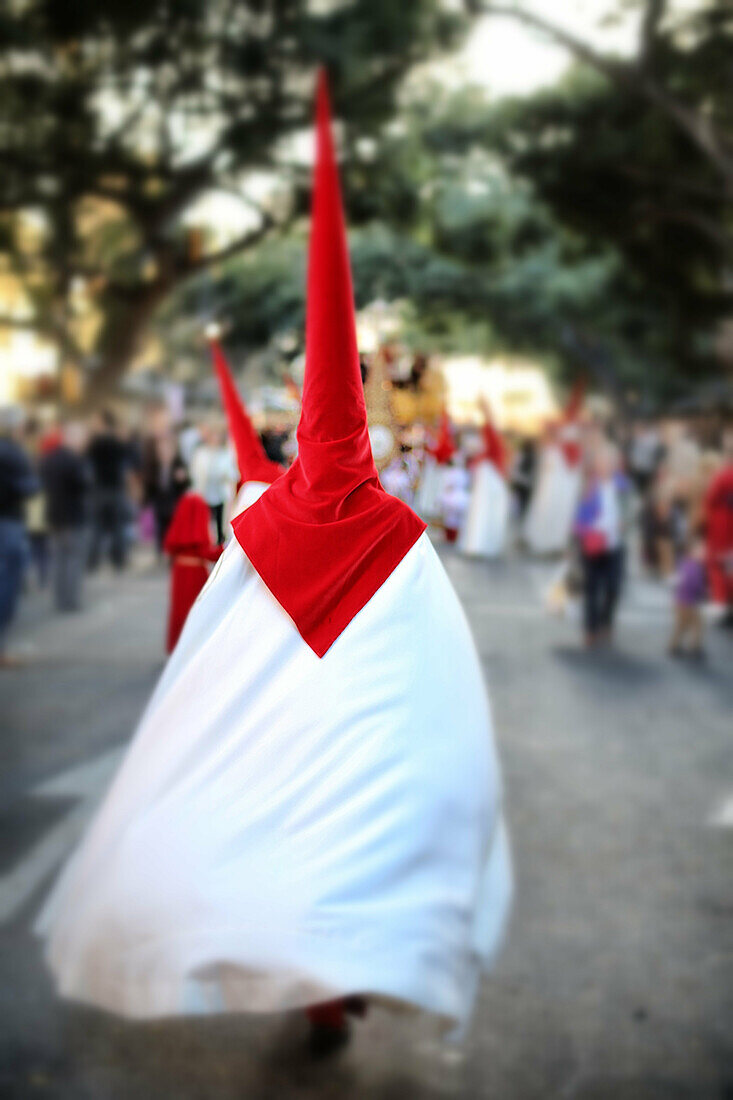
pixel 617 979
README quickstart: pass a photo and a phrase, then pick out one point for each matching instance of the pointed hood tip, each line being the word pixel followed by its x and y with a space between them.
pixel 333 404
pixel 252 462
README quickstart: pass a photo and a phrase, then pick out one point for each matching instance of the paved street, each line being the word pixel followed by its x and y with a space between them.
pixel 617 979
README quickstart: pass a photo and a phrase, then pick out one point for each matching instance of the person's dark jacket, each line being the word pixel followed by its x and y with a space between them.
pixel 17 479
pixel 111 458
pixel 67 478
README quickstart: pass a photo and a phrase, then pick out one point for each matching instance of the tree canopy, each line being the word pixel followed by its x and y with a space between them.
pixel 116 117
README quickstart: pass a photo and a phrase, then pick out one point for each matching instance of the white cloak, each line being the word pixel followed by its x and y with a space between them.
pixel 485 527
pixel 286 829
pixel 551 510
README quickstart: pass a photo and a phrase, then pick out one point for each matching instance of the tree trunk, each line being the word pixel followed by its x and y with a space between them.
pixel 121 341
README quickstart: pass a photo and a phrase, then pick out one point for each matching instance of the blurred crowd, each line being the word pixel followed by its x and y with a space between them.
pixel 598 496
pixel 78 493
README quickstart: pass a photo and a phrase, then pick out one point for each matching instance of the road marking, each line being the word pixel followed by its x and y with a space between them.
pixel 85 782
pixel 723 816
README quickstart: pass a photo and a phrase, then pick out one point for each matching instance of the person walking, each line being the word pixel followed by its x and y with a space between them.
pixel 689 593
pixel 18 482
pixel 164 479
pixel 310 813
pixel 67 479
pixel 598 532
pixel 110 459
pixel 35 511
pixel 213 475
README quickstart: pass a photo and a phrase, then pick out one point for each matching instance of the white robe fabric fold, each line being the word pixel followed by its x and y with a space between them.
pixel 551 510
pixel 285 829
pixel 485 526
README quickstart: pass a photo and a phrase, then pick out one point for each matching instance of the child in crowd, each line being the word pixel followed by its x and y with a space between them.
pixel 689 594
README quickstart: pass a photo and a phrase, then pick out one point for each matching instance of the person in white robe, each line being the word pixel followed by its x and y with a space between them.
pixel 485 526
pixel 549 520
pixel 455 497
pixel 435 465
pixel 311 807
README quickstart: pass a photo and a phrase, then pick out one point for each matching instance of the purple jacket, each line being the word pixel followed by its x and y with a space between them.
pixel 690 582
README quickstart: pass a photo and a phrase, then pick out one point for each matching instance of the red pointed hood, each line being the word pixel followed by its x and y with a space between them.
pixel 445 446
pixel 493 449
pixel 574 403
pixel 253 463
pixel 326 536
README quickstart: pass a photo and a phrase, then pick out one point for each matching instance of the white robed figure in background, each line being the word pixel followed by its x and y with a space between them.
pixel 429 495
pixel 256 470
pixel 311 806
pixel 549 519
pixel 455 497
pixel 485 527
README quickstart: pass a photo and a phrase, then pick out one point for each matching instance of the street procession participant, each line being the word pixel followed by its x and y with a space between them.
pixel 718 521
pixel 551 510
pixel 485 527
pixel 455 496
pixel 429 496
pixel 310 810
pixel 191 548
pixel 256 470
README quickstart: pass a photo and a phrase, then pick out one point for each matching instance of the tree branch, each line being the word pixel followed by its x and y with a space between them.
pixel 239 244
pixel 633 77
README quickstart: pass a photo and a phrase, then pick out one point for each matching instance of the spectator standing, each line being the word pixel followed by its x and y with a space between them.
pixel 214 475
pixel 644 454
pixel 67 478
pixel 35 508
pixel 522 475
pixel 110 460
pixel 18 482
pixel 598 530
pixel 689 593
pixel 165 478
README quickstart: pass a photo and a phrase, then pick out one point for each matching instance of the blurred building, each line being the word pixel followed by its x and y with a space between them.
pixel 518 392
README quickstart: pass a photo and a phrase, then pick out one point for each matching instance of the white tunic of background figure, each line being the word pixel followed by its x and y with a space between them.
pixel 552 507
pixel 428 499
pixel 485 527
pixel 455 499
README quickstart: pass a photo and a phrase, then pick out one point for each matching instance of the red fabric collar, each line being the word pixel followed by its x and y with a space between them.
pixel 325 536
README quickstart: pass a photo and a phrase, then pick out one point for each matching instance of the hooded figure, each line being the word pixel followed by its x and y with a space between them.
pixel 311 806
pixel 428 500
pixel 551 510
pixel 485 527
pixel 188 542
pixel 256 470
